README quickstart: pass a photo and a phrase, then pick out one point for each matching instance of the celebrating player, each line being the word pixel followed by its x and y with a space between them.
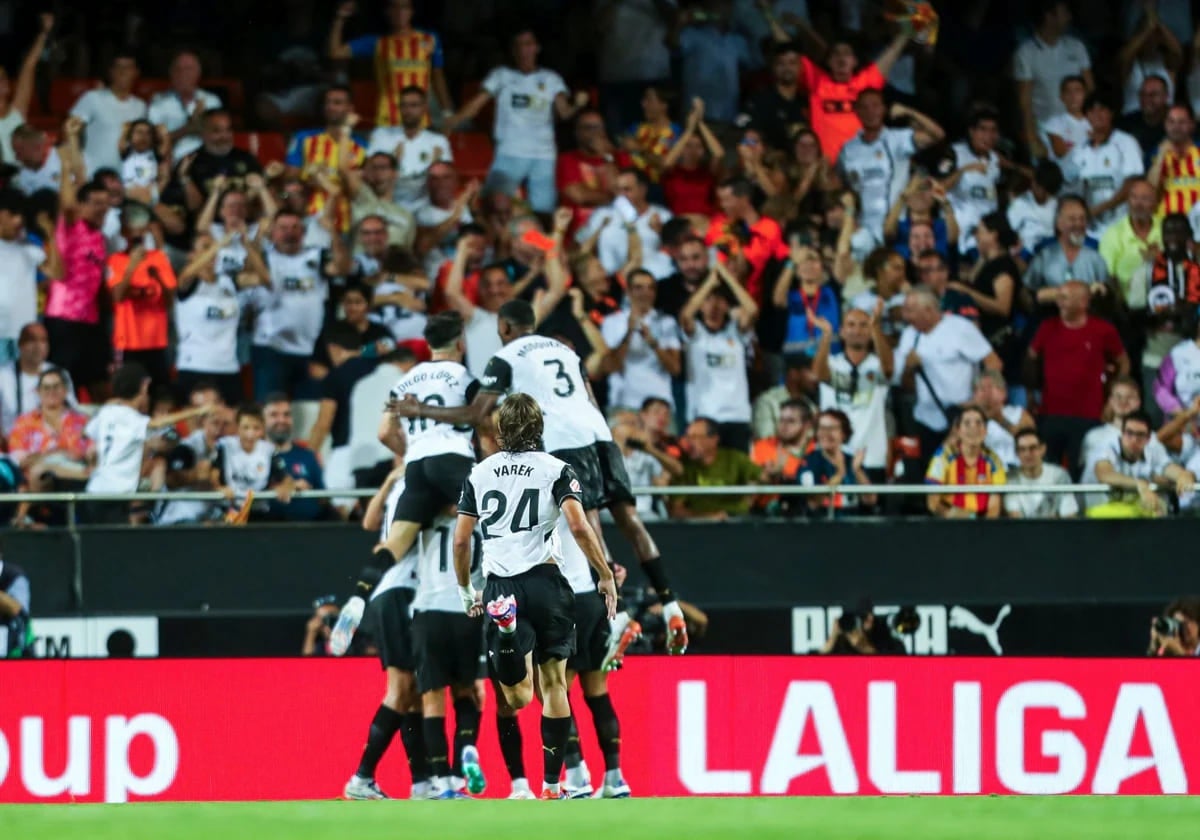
pixel 516 497
pixel 576 433
pixel 389 625
pixel 439 456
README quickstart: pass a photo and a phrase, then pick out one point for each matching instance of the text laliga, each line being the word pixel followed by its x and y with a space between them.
pixel 814 702
pixel 119 779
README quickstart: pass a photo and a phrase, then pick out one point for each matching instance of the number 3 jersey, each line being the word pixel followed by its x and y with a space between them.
pixel 437 383
pixel 551 373
pixel 516 497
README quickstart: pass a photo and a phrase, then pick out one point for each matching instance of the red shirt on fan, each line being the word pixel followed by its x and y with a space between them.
pixel 578 167
pixel 831 104
pixel 766 241
pixel 1074 362
pixel 689 191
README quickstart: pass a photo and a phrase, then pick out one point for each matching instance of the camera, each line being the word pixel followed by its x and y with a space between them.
pixel 1165 625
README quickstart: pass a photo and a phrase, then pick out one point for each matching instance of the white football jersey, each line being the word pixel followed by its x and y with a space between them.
pixel 443 384
pixel 524 111
pixel 974 196
pixel 437 583
pixel 1185 362
pixel 877 171
pixel 207 324
pixel 402 323
pixel 551 373
pixel 139 169
pixel 293 308
pixel 119 432
pixel 244 471
pixel 575 566
pixel 718 387
pixel 1101 171
pixel 860 392
pixel 516 497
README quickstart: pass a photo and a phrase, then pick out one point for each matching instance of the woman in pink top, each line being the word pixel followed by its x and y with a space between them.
pixel 78 341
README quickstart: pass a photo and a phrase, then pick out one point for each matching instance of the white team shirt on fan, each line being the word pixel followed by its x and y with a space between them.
pixel 403 324
pixel 862 394
pixel 292 310
pixel 551 373
pixel 1075 131
pixel 19 393
pixel 119 432
pixel 1032 222
pixel 1154 460
pixel 46 177
pixel 1046 66
pixel 244 471
pixel 643 375
pixel 612 248
pixel 414 161
pixel 1185 359
pixel 1000 439
pixel 19 263
pixel 974 196
pixel 950 356
pixel 718 387
pixel 524 111
pixel 231 259
pixel 1100 172
pixel 437 582
pixel 516 496
pixel 106 116
pixel 1041 505
pixel 403 573
pixel 442 383
pixel 877 170
pixel 575 566
pixel 206 322
pixel 139 169
pixel 167 109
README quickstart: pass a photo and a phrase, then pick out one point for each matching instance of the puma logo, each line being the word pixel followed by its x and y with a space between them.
pixel 961 618
pixel 551 750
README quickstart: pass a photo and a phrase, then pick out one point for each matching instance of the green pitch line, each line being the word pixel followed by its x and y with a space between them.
pixel 979 818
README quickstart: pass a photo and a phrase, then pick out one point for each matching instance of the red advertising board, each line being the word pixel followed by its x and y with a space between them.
pixel 292 729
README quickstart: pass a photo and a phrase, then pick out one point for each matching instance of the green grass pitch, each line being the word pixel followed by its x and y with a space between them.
pixel 978 818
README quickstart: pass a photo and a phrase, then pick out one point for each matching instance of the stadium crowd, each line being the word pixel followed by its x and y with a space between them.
pixel 804 242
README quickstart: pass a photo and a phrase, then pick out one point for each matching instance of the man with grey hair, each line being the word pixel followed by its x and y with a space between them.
pixel 180 108
pixel 1069 257
pixel 941 354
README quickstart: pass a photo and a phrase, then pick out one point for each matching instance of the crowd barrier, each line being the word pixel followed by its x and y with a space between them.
pixel 117 731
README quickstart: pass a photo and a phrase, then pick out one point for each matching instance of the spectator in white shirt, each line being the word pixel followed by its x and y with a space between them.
pixel 612 223
pixel 106 111
pixel 1041 63
pixel 1136 471
pixel 38 164
pixel 1069 127
pixel 1031 214
pixel 972 186
pixel 413 146
pixel 528 98
pixel 19 379
pixel 15 97
pixel 645 346
pixel 180 108
pixel 20 262
pixel 1103 166
pixel 1152 51
pixel 942 353
pixel 1035 472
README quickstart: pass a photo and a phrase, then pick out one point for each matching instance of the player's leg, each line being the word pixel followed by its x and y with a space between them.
pixel 388 720
pixel 433 707
pixel 466 731
pixel 556 724
pixel 608 732
pixel 433 642
pixel 508 732
pixel 509 641
pixel 578 783
pixel 625 515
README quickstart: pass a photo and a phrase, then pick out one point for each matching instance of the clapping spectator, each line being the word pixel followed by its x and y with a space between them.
pixel 20 263
pixel 645 348
pixel 528 98
pixel 180 108
pixel 411 148
pixel 1152 52
pixel 1073 353
pixel 142 286
pixel 439 221
pixel 1033 471
pixel 854 381
pixel 19 380
pixel 811 305
pixel 691 168
pixel 649 141
pixel 780 456
pixel 716 337
pixel 105 111
pixel 834 464
pixel 712 465
pixel 646 464
pixel 631 212
pixel 318 156
pixel 145 161
pixel 965 460
pixel 1042 62
pixel 371 190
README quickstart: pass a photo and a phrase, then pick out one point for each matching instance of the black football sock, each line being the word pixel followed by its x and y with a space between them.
pixel 509 732
pixel 370 574
pixel 466 729
pixel 413 735
pixel 608 730
pixel 658 579
pixel 384 727
pixel 436 747
pixel 509 662
pixel 554 742
pixel 572 755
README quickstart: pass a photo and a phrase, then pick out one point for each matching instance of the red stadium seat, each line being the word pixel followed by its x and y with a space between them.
pixel 487 117
pixel 233 95
pixel 264 145
pixel 472 153
pixel 64 92
pixel 365 95
pixel 147 88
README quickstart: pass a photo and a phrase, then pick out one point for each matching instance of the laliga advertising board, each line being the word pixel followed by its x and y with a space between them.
pixel 120 731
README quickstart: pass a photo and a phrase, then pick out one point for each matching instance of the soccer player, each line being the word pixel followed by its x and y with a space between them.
pixel 449 654
pixel 439 457
pixel 516 497
pixel 389 625
pixel 576 433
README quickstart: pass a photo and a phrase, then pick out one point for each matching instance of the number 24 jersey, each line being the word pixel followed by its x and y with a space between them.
pixel 516 497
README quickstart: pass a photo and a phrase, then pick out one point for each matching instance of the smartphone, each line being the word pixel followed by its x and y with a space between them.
pixel 626 212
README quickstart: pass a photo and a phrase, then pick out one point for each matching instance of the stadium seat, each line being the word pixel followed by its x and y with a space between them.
pixel 231 92
pixel 472 153
pixel 147 88
pixel 64 92
pixel 365 96
pixel 264 145
pixel 487 117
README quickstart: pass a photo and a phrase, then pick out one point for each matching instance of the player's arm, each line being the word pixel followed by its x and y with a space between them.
pixel 464 532
pixel 373 516
pixel 589 544
pixel 497 377
pixel 391 434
